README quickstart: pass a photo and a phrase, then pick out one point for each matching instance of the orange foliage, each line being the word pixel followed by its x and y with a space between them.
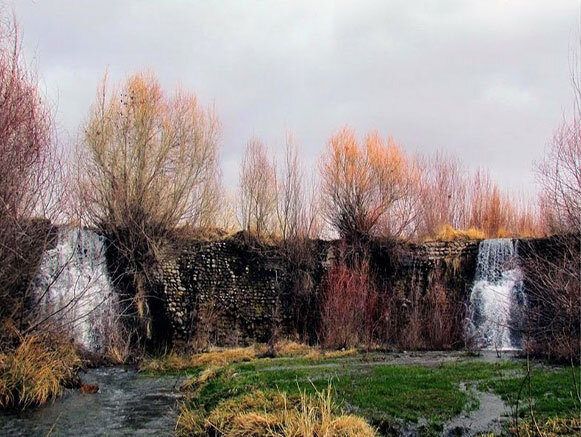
pixel 362 185
pixel 375 189
pixel 497 214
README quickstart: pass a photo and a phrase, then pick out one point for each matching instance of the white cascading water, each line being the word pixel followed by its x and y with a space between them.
pixel 497 296
pixel 73 290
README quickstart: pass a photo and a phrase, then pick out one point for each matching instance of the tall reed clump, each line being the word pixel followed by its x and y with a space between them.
pixel 36 371
pixel 274 414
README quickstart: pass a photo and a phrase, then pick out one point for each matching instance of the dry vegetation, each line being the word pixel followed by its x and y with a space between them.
pixel 358 309
pixel 36 371
pixel 220 357
pixel 448 233
pixel 550 428
pixel 366 187
pixel 275 414
pixel 554 274
pixel 257 190
pixel 292 396
pixel 175 362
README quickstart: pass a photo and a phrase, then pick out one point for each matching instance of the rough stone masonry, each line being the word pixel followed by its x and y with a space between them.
pixel 243 290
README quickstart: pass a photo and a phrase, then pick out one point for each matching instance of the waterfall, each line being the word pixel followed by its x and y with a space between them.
pixel 73 291
pixel 497 296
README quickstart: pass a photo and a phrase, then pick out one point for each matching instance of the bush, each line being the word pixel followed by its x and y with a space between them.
pixel 36 371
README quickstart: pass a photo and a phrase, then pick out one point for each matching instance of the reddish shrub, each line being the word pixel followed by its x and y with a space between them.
pixel 349 306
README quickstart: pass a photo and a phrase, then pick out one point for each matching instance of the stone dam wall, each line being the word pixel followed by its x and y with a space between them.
pixel 233 292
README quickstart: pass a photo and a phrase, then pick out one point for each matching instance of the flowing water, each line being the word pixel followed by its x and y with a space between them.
pixel 127 403
pixel 497 296
pixel 73 290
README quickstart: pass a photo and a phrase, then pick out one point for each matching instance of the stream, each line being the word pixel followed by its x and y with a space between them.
pixel 128 403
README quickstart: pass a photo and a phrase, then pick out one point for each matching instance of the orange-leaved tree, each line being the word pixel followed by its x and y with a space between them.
pixel 363 183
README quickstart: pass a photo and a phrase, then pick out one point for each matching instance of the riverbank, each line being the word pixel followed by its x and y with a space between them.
pixel 413 393
pixel 420 393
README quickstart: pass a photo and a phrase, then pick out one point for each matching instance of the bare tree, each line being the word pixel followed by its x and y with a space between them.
pixel 490 210
pixel 560 176
pixel 560 171
pixel 553 313
pixel 257 204
pixel 553 271
pixel 290 205
pixel 30 173
pixel 296 210
pixel 149 164
pixel 443 194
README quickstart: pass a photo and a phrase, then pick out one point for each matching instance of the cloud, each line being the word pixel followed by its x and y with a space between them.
pixel 487 80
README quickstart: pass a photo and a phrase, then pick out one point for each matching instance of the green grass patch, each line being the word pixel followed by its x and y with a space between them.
pixel 386 394
pixel 552 391
pixel 379 392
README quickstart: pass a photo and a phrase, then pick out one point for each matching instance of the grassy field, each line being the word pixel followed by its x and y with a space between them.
pixel 389 391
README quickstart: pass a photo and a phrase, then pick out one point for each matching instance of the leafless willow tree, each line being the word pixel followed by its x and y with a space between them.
pixel 148 163
pixel 258 202
pixel 560 174
pixel 296 206
pixel 363 185
pixel 554 272
pixel 442 195
pixel 30 176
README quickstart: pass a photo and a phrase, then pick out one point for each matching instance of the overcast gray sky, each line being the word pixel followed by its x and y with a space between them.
pixel 485 79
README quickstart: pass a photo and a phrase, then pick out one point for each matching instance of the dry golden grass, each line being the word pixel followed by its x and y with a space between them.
pixel 316 354
pixel 118 355
pixel 350 425
pixel 448 233
pixel 276 415
pixel 228 415
pixel 557 426
pixel 341 353
pixel 191 422
pixel 207 374
pixel 223 357
pixel 189 232
pixel 289 348
pixel 36 371
pixel 253 424
pixel 169 362
pixel 174 362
